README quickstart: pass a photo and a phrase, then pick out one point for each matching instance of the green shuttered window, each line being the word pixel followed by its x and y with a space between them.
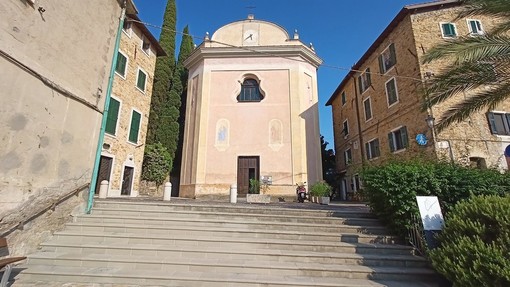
pixel 120 68
pixel 448 30
pixel 398 139
pixel 134 127
pixel 113 115
pixel 141 80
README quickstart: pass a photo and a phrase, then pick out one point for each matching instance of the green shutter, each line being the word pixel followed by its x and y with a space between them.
pixel 507 124
pixel 369 79
pixel 390 141
pixel 403 134
pixel 141 80
pixel 393 54
pixel 135 126
pixel 121 64
pixel 377 151
pixel 367 147
pixel 113 115
pixel 360 86
pixel 449 30
pixel 381 64
pixel 492 123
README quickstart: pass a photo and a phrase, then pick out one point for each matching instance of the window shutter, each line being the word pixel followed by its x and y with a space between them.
pixel 492 123
pixel 393 54
pixel 474 28
pixel 369 80
pixel 403 134
pixel 377 151
pixel 507 124
pixel 367 151
pixel 113 114
pixel 390 141
pixel 135 126
pixel 121 64
pixel 141 80
pixel 381 64
pixel 360 85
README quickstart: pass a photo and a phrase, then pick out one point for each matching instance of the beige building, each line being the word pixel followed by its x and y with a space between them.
pixel 128 116
pixel 377 111
pixel 251 111
pixel 54 66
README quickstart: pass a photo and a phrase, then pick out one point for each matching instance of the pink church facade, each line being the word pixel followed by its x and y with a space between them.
pixel 252 112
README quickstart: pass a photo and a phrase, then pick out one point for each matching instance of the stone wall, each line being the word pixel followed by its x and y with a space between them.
pixel 124 152
pixel 471 138
pixel 412 37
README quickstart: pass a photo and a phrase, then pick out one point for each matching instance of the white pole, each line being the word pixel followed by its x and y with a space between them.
pixel 233 193
pixel 167 194
pixel 103 189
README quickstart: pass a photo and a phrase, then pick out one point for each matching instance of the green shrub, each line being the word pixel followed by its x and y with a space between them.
pixel 391 189
pixel 254 187
pixel 157 163
pixel 320 188
pixel 475 243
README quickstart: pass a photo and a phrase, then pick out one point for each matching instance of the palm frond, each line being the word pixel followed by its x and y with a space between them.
pixel 498 8
pixel 501 28
pixel 486 99
pixel 463 78
pixel 471 49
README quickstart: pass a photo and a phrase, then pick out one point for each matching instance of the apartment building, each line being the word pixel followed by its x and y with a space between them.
pixel 128 116
pixel 377 108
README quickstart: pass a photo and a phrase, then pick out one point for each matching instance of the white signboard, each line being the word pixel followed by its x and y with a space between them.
pixel 430 212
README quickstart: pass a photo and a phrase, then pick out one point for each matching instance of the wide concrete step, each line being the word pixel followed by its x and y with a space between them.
pixel 234 224
pixel 245 232
pixel 219 215
pixel 112 275
pixel 294 256
pixel 296 210
pixel 120 242
pixel 223 265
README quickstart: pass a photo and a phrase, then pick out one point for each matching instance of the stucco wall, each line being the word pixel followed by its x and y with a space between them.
pixel 290 106
pixel 49 135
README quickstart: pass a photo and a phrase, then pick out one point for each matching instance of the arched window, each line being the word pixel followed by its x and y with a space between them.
pixel 250 91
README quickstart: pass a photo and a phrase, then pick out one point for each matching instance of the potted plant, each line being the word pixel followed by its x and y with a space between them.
pixel 254 195
pixel 322 190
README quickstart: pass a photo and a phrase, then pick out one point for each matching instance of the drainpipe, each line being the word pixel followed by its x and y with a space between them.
pixel 100 142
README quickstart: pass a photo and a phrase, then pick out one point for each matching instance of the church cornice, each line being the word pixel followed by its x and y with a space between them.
pixel 203 52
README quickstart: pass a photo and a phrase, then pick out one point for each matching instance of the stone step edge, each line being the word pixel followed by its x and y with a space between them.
pixel 332 218
pixel 369 230
pixel 223 250
pixel 231 206
pixel 239 240
pixel 195 277
pixel 301 224
pixel 259 264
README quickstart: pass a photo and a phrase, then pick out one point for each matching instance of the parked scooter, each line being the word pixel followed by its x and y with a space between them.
pixel 301 192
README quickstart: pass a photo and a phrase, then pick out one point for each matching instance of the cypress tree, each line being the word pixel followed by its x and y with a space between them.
pixel 181 72
pixel 163 126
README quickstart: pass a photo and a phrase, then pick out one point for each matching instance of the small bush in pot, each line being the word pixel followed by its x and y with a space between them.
pixel 322 190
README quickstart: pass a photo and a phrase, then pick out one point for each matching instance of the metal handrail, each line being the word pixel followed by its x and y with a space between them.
pixel 43 210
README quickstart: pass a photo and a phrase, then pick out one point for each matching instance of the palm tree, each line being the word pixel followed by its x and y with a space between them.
pixel 479 66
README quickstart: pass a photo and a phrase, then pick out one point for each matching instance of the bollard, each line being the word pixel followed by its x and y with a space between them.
pixel 103 189
pixel 167 194
pixel 233 193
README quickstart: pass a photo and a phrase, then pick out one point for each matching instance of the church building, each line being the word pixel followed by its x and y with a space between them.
pixel 251 112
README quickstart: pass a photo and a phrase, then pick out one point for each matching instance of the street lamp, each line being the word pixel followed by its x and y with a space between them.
pixel 430 121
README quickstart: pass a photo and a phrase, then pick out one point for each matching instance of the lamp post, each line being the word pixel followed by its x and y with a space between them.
pixel 430 120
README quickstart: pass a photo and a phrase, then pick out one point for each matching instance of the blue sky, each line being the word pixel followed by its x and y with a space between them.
pixel 340 30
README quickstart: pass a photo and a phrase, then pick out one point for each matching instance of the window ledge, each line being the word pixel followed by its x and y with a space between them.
pixel 400 151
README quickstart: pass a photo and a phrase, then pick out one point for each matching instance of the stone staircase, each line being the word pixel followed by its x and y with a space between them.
pixel 190 243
